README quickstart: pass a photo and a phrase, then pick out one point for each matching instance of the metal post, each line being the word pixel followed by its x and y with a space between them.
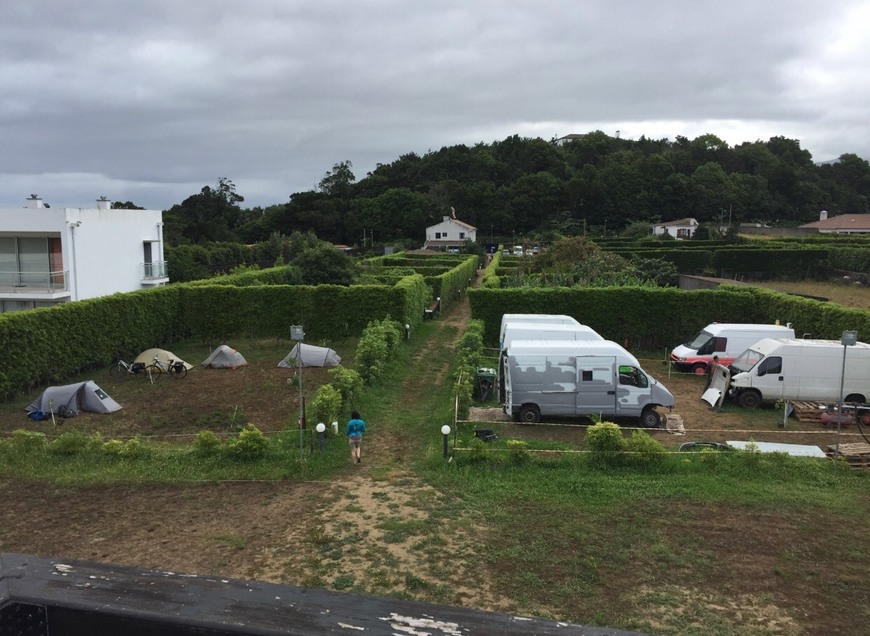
pixel 297 334
pixel 848 338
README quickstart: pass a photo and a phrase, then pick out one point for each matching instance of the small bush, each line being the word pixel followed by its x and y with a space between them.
pixel 349 384
pixel 69 443
pixel 326 404
pixel 250 444
pixel 114 447
pixel 519 451
pixel 607 443
pixel 206 443
pixel 27 440
pixel 135 448
pixel 478 451
pixel 645 450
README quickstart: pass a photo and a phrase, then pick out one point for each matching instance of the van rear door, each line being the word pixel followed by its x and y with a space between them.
pixel 596 385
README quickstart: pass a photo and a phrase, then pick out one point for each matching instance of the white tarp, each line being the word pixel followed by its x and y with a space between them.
pixel 147 357
pixel 225 357
pixel 795 450
pixel 73 399
pixel 311 357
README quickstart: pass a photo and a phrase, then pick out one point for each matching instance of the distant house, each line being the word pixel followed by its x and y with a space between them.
pixel 450 233
pixel 56 255
pixel 841 224
pixel 679 229
pixel 561 141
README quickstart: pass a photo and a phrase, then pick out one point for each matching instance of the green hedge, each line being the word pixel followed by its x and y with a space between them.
pixel 450 285
pixel 651 318
pixel 60 341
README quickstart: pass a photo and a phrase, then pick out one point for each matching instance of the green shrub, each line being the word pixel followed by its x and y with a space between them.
pixel 69 443
pixel 326 404
pixel 136 447
pixel 349 384
pixel 114 447
pixel 519 451
pixel 27 440
pixel 206 443
pixel 645 450
pixel 479 451
pixel 250 444
pixel 605 437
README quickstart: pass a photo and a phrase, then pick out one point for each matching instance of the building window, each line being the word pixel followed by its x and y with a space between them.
pixel 462 235
pixel 437 235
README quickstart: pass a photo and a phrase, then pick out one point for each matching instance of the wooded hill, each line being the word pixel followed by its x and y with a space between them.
pixel 595 184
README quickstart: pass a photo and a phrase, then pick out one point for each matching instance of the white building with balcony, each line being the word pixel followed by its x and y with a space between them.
pixel 55 255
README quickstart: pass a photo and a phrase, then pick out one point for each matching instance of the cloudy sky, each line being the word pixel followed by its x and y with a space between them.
pixel 149 101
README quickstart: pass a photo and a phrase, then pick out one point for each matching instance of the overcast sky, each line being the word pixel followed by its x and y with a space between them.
pixel 149 101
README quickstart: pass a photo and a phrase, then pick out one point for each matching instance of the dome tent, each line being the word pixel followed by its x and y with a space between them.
pixel 225 357
pixel 311 357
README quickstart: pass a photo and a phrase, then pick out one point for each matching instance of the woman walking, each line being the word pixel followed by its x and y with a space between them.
pixel 354 431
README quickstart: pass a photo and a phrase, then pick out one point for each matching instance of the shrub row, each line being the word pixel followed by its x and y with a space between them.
pixel 643 318
pixel 491 278
pixel 63 340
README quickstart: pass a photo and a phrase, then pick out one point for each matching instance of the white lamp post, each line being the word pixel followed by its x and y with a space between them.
pixel 848 339
pixel 298 334
pixel 320 428
pixel 445 431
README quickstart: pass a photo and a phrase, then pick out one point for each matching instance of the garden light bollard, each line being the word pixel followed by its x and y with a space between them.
pixel 445 431
pixel 320 428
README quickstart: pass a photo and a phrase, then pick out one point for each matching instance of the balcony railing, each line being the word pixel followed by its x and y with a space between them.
pixel 157 269
pixel 34 282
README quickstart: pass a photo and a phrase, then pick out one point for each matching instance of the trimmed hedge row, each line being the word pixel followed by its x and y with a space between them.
pixel 650 318
pixel 449 285
pixel 491 279
pixel 60 341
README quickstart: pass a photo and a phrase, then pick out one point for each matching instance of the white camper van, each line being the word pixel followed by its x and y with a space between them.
pixel 726 340
pixel 579 378
pixel 513 331
pixel 789 369
pixel 551 319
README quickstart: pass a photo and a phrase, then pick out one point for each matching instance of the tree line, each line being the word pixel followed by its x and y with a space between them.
pixel 593 185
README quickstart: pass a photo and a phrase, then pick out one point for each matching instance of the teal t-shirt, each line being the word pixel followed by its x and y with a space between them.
pixel 355 428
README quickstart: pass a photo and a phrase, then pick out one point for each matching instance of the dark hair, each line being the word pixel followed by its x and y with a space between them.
pixel 354 415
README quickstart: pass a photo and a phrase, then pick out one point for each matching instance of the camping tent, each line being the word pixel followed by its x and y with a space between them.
pixel 225 357
pixel 73 399
pixel 147 357
pixel 311 357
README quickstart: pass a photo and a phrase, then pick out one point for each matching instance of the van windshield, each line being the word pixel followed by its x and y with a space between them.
pixel 699 341
pixel 746 360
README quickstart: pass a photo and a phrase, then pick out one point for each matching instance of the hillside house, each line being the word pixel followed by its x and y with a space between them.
pixel 840 224
pixel 56 255
pixel 679 229
pixel 449 234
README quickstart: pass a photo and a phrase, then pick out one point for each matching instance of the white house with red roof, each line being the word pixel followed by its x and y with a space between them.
pixel 679 229
pixel 449 233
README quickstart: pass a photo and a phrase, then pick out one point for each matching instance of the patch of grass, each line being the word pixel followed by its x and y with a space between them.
pixel 234 541
pixel 397 531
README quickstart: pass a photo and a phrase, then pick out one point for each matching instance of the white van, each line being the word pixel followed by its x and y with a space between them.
pixel 582 377
pixel 811 370
pixel 553 319
pixel 726 340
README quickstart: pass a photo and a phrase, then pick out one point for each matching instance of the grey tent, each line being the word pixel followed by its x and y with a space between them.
pixel 225 357
pixel 73 399
pixel 311 357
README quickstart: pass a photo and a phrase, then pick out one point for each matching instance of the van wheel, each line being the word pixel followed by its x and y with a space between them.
pixel 650 418
pixel 530 414
pixel 855 397
pixel 749 399
pixel 699 369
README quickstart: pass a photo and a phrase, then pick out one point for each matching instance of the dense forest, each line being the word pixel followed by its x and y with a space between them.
pixel 595 184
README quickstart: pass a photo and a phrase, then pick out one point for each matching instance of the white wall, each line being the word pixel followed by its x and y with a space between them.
pixel 451 229
pixel 102 249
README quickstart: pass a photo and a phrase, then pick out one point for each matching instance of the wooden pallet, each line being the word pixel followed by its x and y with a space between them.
pixel 808 411
pixel 856 454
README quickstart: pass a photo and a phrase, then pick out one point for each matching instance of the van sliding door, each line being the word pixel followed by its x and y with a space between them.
pixel 596 389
